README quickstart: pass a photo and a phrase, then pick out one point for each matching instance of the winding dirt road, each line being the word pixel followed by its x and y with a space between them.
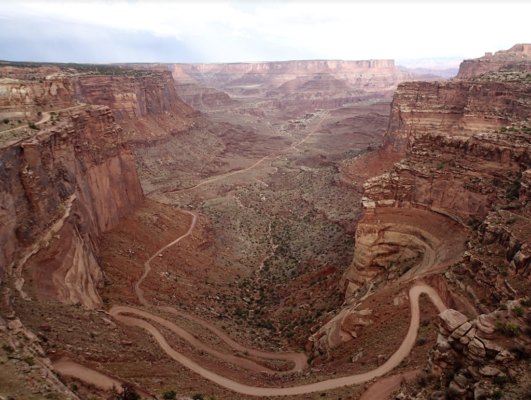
pixel 298 359
pixel 217 178
pixel 329 384
pixel 379 388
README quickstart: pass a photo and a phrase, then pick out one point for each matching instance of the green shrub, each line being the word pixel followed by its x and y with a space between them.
pixel 169 394
pixel 8 349
pixel 198 396
pixel 500 380
pixel 6 121
pixel 509 329
pixel 497 394
pixel 33 126
pixel 29 360
pixel 519 311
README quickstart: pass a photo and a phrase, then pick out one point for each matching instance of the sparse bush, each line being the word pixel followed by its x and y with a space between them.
pixel 169 394
pixel 29 360
pixel 128 393
pixel 497 394
pixel 509 329
pixel 519 311
pixel 6 121
pixel 500 380
pixel 198 396
pixel 33 126
pixel 8 349
pixel 420 342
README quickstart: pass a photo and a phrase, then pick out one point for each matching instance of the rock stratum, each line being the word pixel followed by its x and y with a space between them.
pixel 60 190
pixel 517 58
pixel 466 152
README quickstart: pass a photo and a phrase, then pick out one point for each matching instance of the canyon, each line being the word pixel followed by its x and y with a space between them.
pixel 273 226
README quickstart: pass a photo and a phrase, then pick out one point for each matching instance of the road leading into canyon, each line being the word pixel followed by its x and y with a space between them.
pixel 379 388
pixel 298 359
pixel 217 178
pixel 402 352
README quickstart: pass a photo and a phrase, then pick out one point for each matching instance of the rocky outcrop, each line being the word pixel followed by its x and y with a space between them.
pixel 517 58
pixel 59 191
pixel 466 152
pixel 341 329
pixel 23 99
pixel 129 97
pixel 462 108
pixel 474 357
pixel 189 90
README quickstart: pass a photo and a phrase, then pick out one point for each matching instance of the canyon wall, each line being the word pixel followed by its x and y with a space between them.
pixel 466 150
pixel 517 58
pixel 23 99
pixel 189 90
pixel 460 108
pixel 60 190
pixel 129 97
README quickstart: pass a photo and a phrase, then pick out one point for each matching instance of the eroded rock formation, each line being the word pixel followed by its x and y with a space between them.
pixel 23 99
pixel 60 190
pixel 466 149
pixel 517 58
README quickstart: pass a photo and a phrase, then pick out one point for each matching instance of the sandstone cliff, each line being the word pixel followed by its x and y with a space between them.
pixel 466 147
pixel 59 191
pixel 461 108
pixel 129 97
pixel 189 90
pixel 23 99
pixel 517 58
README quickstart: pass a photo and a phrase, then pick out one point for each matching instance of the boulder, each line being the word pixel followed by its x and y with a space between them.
pixel 504 357
pixel 485 326
pixel 461 331
pixel 439 395
pixel 461 380
pixel 442 344
pixel 489 371
pixel 476 348
pixel 471 334
pixel 491 347
pixel 452 319
pixel 14 325
pixel 455 388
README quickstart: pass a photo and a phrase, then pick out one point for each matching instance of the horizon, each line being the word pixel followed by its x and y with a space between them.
pixel 232 31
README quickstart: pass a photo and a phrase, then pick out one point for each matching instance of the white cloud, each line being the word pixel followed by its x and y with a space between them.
pixel 237 31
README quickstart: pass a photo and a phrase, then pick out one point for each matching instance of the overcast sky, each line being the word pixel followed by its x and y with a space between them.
pixel 232 31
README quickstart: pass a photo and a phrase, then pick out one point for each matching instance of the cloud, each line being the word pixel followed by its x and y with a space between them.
pixel 230 31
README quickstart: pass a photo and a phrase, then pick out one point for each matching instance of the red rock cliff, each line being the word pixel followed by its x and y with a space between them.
pixel 517 58
pixel 21 99
pixel 129 97
pixel 467 149
pixel 59 191
pixel 461 108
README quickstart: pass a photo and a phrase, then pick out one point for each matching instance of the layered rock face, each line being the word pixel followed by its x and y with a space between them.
pixel 60 190
pixel 129 97
pixel 22 99
pixel 374 75
pixel 461 108
pixel 467 149
pixel 189 90
pixel 303 85
pixel 517 58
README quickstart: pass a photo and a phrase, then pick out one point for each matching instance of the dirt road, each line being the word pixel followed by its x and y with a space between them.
pixel 252 166
pixel 329 384
pixel 379 389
